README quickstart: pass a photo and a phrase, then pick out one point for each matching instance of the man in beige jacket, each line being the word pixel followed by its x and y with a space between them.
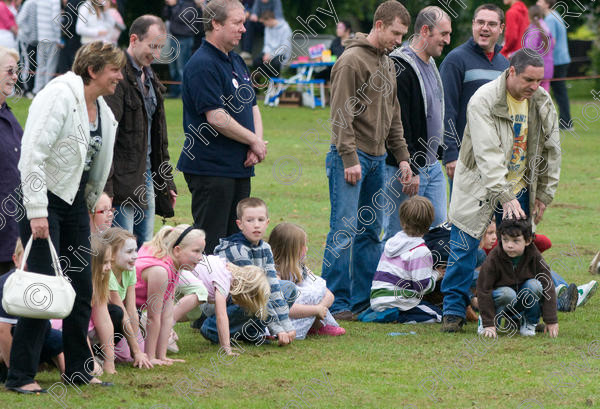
pixel 365 118
pixel 508 167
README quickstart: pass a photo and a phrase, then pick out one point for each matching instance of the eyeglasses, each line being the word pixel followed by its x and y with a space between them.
pixel 106 211
pixel 482 23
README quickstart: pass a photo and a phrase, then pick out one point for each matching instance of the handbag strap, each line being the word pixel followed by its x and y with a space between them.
pixel 55 262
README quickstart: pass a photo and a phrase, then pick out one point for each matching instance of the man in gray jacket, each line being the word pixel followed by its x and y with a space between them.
pixel 508 167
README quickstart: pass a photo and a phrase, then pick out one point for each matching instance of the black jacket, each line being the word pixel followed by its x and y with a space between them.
pixel 131 145
pixel 412 113
pixel 180 13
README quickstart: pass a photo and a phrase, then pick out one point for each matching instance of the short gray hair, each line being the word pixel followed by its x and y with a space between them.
pixel 524 58
pixel 430 17
pixel 218 10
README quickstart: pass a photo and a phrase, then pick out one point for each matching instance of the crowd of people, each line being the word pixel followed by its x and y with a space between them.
pixel 91 171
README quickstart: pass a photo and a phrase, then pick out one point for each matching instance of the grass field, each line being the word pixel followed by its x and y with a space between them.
pixel 366 368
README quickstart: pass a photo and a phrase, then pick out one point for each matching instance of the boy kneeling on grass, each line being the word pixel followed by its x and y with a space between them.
pixel 515 283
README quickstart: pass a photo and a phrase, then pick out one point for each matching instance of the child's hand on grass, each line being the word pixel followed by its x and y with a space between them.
pixel 552 330
pixel 140 360
pixel 490 332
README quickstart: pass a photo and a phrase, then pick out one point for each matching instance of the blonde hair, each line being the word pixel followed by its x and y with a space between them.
pixel 250 289
pixel 249 202
pixel 115 237
pixel 163 241
pixel 97 55
pixel 100 280
pixel 8 52
pixel 286 241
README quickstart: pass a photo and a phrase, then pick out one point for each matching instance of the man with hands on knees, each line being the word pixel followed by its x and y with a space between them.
pixel 508 167
pixel 365 117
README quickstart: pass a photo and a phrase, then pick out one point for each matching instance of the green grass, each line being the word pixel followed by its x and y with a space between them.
pixel 366 368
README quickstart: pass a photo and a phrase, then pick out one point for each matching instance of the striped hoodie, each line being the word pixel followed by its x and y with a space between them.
pixel 404 274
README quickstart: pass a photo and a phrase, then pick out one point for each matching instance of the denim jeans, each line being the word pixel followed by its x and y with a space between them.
pixel 353 247
pixel 459 273
pixel 176 67
pixel 432 185
pixel 241 326
pixel 527 301
pixel 134 219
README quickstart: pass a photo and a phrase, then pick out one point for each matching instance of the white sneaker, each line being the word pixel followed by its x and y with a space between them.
pixel 560 289
pixel 586 291
pixel 527 330
pixel 480 326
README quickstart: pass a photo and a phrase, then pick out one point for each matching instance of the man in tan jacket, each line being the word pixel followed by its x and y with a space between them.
pixel 365 117
pixel 508 167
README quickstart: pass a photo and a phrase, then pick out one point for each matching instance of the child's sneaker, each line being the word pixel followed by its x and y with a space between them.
pixel 527 329
pixel 585 292
pixel 479 326
pixel 567 299
pixel 331 330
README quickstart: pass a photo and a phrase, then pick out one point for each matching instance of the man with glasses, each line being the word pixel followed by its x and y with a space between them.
pixel 464 70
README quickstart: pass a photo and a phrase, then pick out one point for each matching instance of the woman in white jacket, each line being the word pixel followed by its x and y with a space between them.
pixel 92 23
pixel 66 155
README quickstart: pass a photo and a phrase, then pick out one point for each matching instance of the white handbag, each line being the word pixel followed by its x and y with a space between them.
pixel 35 295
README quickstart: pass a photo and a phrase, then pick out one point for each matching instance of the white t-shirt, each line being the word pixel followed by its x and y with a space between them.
pixel 213 273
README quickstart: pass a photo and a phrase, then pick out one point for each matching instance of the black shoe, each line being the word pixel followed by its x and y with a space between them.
pixel 452 323
pixel 3 372
pixel 25 391
pixel 568 299
pixel 197 324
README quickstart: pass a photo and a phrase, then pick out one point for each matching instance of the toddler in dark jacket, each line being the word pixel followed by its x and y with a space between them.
pixel 515 284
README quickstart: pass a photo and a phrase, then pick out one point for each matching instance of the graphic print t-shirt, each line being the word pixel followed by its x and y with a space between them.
pixel 518 162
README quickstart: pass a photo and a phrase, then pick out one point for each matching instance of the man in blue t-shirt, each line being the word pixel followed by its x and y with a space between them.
pixel 465 69
pixel 222 125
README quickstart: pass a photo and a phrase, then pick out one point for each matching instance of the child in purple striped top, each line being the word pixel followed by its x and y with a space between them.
pixel 405 271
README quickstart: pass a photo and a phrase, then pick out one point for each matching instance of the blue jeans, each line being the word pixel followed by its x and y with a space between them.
pixel 131 217
pixel 462 261
pixel 432 185
pixel 459 273
pixel 241 326
pixel 353 247
pixel 527 301
pixel 176 67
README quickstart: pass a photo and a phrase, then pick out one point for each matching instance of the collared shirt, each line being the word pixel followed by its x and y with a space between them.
pixel 10 152
pixel 215 80
pixel 150 102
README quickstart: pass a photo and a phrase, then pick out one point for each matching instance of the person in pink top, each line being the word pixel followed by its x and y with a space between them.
pixel 159 262
pixel 538 37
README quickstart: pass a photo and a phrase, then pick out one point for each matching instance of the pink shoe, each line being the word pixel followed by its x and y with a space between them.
pixel 331 330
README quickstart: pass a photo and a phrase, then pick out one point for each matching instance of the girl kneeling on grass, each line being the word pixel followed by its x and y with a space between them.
pixel 247 286
pixel 159 261
pixel 310 312
pixel 121 288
